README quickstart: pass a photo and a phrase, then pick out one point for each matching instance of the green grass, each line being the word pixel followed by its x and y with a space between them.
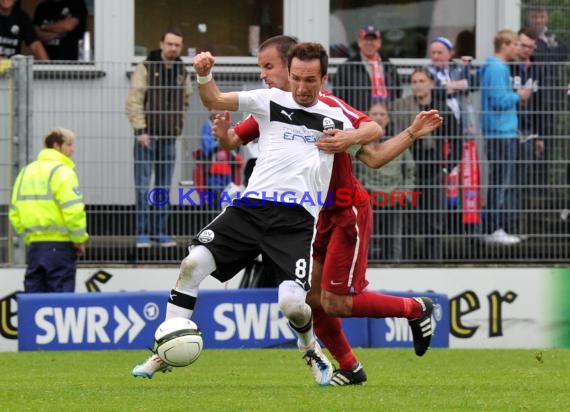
pixel 277 380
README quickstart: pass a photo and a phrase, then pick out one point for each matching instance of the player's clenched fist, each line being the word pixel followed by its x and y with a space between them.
pixel 203 63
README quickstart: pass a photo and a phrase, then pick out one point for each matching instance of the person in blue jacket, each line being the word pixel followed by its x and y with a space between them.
pixel 499 125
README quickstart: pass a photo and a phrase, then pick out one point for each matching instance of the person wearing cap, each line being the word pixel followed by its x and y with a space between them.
pixel 454 78
pixel 48 212
pixel 369 76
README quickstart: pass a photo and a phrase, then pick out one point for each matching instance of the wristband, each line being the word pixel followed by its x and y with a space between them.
pixel 412 136
pixel 203 79
pixel 354 149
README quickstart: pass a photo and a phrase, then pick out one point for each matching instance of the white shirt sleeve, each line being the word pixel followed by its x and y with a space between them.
pixel 255 102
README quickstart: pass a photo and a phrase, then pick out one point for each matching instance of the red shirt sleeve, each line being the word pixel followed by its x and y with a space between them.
pixel 247 130
pixel 355 116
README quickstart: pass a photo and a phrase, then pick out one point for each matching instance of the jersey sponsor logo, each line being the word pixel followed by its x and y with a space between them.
pixel 302 137
pixel 333 283
pixel 206 236
pixel 300 117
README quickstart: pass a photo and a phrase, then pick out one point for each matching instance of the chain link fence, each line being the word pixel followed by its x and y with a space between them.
pixel 449 223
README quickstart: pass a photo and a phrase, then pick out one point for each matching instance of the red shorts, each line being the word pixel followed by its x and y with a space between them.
pixel 341 246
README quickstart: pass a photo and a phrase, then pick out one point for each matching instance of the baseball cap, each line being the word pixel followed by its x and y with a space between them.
pixel 369 30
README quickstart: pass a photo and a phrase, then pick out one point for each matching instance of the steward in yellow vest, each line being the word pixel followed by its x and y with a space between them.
pixel 48 212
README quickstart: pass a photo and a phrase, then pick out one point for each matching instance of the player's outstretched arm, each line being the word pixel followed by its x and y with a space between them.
pixel 210 94
pixel 340 140
pixel 376 156
pixel 227 138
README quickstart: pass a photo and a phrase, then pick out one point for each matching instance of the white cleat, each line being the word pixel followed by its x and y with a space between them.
pixel 149 367
pixel 320 366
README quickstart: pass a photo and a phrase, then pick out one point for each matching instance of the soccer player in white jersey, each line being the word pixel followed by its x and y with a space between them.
pixel 272 221
pixel 342 231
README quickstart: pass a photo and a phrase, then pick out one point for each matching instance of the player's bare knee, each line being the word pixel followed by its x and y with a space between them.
pixel 336 305
pixel 314 298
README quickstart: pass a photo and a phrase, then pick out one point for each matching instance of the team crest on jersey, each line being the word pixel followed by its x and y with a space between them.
pixel 15 29
pixel 206 236
pixel 65 11
pixel 328 123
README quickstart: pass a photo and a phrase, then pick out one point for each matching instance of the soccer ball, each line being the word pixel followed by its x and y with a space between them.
pixel 178 341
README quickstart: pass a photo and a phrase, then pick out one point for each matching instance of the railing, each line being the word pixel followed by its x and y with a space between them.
pixel 449 222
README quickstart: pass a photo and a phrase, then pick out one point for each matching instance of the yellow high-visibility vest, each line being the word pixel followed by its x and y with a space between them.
pixel 47 205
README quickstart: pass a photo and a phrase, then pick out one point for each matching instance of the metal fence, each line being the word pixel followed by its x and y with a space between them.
pixel 448 223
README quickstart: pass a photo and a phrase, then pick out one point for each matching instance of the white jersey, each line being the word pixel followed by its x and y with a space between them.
pixel 290 168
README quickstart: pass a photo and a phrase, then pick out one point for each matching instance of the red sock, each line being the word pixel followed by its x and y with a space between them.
pixel 376 305
pixel 329 330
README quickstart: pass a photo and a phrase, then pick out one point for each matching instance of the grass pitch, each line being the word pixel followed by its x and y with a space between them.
pixel 277 380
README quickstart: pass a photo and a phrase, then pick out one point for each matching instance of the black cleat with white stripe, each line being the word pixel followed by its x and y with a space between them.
pixel 422 327
pixel 342 377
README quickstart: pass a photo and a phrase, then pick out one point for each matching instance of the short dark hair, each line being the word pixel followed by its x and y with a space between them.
pixel 309 51
pixel 172 30
pixel 424 70
pixel 529 32
pixel 282 43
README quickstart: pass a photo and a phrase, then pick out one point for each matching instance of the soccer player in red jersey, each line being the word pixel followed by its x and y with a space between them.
pixel 340 248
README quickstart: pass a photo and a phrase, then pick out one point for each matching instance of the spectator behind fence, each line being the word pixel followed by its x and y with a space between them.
pixel 499 125
pixel 431 166
pixel 549 54
pixel 367 76
pixel 158 100
pixel 47 210
pixel 15 28
pixel 455 80
pixel 525 73
pixel 384 184
pixel 60 25
pixel 220 164
pixel 465 44
pixel 449 76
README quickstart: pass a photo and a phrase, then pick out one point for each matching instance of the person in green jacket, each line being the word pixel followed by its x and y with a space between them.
pixel 386 185
pixel 48 212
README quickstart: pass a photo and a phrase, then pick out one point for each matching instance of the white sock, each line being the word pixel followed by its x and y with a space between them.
pixel 292 303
